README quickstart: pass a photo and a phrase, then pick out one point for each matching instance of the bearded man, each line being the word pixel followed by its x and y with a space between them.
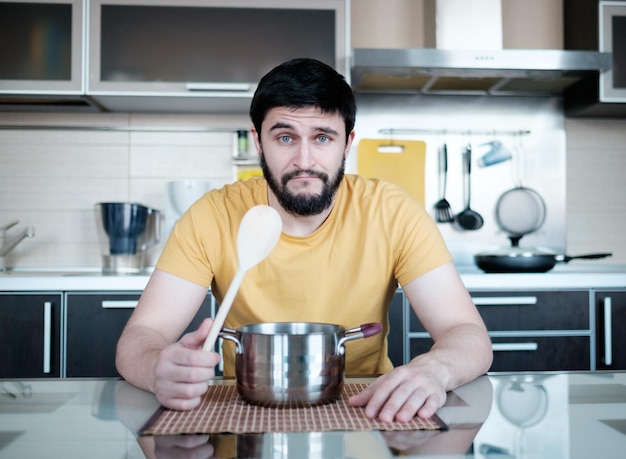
pixel 347 243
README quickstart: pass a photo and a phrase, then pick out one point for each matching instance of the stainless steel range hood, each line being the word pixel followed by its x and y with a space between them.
pixel 459 72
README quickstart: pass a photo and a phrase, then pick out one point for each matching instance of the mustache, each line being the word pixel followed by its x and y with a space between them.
pixel 321 175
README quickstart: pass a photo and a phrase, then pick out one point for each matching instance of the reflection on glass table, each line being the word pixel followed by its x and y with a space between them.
pixel 504 416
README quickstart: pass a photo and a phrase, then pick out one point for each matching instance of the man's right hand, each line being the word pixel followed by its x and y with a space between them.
pixel 183 369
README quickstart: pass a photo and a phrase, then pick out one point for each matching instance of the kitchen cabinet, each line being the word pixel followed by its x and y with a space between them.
pixel 397 332
pixel 610 309
pixel 537 330
pixel 30 335
pixel 541 353
pixel 215 50
pixel 42 53
pixel 530 330
pixel 596 26
pixel 94 324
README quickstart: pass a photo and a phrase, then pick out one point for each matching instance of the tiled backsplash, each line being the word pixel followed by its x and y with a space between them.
pixel 596 187
pixel 51 179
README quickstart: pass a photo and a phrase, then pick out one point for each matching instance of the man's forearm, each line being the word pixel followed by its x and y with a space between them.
pixel 137 352
pixel 463 354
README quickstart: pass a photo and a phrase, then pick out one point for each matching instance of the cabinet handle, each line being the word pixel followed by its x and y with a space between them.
pixel 608 331
pixel 237 87
pixel 47 335
pixel 514 346
pixel 119 304
pixel 503 300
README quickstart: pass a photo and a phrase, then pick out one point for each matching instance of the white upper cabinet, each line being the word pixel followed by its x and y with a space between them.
pixel 204 55
pixel 42 47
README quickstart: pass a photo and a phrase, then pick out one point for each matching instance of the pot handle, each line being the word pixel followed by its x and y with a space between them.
pixel 364 331
pixel 232 335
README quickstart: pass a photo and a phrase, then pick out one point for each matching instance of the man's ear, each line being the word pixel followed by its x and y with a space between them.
pixel 349 141
pixel 256 138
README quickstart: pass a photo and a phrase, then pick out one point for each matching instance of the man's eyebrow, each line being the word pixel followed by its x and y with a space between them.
pixel 325 129
pixel 280 125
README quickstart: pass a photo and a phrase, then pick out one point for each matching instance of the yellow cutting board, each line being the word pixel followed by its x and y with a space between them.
pixel 399 161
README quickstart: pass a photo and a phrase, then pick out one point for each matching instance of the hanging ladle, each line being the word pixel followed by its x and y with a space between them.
pixel 468 219
pixel 258 234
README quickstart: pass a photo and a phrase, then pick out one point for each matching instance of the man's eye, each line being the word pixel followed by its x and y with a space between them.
pixel 323 138
pixel 284 139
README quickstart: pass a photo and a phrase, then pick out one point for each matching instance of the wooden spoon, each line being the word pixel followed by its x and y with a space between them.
pixel 258 234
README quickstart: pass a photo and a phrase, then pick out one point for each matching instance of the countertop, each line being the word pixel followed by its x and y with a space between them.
pixel 562 276
pixel 504 416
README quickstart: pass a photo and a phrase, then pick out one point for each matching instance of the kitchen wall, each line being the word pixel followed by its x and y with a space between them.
pixel 526 24
pixel 51 178
pixel 538 157
pixel 596 187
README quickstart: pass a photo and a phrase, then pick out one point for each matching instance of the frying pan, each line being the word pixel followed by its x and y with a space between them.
pixel 521 211
pixel 520 260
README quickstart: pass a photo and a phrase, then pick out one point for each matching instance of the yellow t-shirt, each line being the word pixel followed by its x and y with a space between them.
pixel 344 273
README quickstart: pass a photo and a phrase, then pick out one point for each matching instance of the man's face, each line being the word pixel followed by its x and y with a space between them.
pixel 303 154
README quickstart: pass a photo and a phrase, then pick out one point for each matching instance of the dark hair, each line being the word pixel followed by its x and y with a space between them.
pixel 304 82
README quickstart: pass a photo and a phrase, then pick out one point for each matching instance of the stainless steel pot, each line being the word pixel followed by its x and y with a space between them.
pixel 292 363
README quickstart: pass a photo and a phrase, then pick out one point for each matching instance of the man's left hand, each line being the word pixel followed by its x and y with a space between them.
pixel 401 394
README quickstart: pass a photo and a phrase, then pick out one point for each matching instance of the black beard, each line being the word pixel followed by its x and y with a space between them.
pixel 303 205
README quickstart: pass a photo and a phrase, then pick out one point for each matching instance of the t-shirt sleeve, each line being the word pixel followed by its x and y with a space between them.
pixel 185 255
pixel 418 243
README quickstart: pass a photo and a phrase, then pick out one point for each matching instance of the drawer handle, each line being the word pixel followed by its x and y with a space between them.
pixel 119 304
pixel 608 331
pixel 47 335
pixel 236 87
pixel 504 300
pixel 514 346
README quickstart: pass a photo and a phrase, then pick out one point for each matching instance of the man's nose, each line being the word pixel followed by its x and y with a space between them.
pixel 304 156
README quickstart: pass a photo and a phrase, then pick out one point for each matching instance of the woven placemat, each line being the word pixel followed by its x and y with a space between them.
pixel 223 411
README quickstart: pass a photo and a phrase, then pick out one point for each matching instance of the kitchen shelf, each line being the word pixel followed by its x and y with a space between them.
pixel 246 161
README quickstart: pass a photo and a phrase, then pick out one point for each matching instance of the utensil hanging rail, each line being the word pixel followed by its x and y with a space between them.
pixel 412 131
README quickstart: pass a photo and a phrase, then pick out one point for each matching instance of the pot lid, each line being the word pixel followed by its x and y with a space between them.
pixel 520 211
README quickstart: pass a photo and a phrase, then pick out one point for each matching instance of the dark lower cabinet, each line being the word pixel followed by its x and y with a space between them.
pixel 536 353
pixel 30 335
pixel 395 340
pixel 529 310
pixel 541 353
pixel 531 330
pixel 94 325
pixel 610 330
pixel 538 330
